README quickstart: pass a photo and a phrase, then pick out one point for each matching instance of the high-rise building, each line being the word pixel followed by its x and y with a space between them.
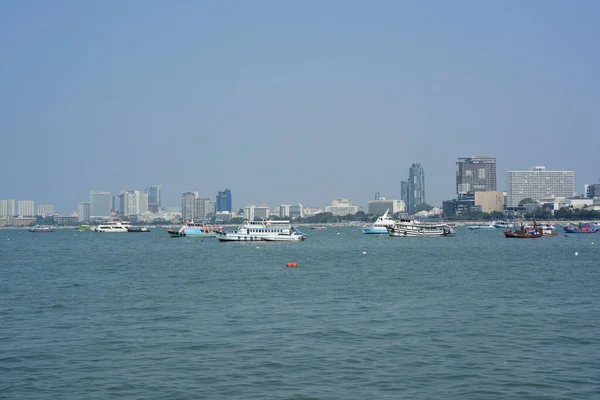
pixel 416 186
pixel 223 202
pixel 100 204
pixel 475 174
pixel 154 198
pixel 284 211
pixel 26 208
pixel 83 211
pixel 204 208
pixel 296 211
pixel 404 191
pixel 539 184
pixel 45 210
pixel 261 212
pixel 134 202
pixel 188 205
pixel 7 208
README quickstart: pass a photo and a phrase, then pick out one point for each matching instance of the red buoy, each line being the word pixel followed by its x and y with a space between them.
pixel 291 264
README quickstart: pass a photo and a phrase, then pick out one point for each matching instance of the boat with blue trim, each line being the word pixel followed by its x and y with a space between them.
pixel 196 229
pixel 380 226
pixel 587 227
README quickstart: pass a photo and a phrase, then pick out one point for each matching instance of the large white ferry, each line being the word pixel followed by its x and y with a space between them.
pixel 113 226
pixel 409 227
pixel 280 231
pixel 381 225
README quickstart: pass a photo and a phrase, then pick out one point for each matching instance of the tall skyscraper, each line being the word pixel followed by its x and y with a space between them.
pixel 154 198
pixel 7 208
pixel 416 186
pixel 100 204
pixel 45 210
pixel 26 208
pixel 475 174
pixel 404 191
pixel 223 202
pixel 188 205
pixel 539 184
pixel 83 211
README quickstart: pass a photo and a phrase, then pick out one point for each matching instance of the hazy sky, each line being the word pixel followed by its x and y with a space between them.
pixel 286 102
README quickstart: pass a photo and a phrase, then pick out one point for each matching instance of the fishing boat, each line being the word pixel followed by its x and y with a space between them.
pixel 380 225
pixel 196 229
pixel 41 229
pixel 83 227
pixel 319 228
pixel 587 227
pixel 409 227
pixel 263 231
pixel 547 230
pixel 524 232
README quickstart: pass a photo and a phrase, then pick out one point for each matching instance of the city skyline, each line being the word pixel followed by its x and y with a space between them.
pixel 285 102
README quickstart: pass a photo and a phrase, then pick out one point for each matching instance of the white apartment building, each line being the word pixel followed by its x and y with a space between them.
pixel 26 208
pixel 83 211
pixel 539 184
pixel 249 212
pixel 135 202
pixel 341 207
pixel 284 211
pixel 312 211
pixel 7 208
pixel 45 210
pixel 379 207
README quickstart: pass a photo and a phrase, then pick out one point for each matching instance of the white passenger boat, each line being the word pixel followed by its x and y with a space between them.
pixel 380 226
pixel 409 227
pixel 113 226
pixel 262 231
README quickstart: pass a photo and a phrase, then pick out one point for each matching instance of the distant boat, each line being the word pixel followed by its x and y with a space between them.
pixel 319 228
pixel 263 230
pixel 138 229
pixel 524 232
pixel 196 229
pixel 408 227
pixel 380 226
pixel 83 228
pixel 41 229
pixel 486 227
pixel 587 227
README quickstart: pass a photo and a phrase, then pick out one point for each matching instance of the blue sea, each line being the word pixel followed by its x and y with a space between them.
pixel 144 316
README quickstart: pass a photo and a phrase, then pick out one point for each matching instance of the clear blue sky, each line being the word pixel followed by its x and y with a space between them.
pixel 285 101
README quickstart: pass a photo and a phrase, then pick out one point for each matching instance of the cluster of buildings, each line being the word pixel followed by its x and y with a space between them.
pixel 22 212
pixel 526 190
pixel 476 191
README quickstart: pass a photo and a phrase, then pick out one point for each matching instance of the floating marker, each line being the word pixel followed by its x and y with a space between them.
pixel 364 252
pixel 291 264
pixel 576 253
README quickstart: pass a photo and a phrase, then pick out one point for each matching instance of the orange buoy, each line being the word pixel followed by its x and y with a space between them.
pixel 291 264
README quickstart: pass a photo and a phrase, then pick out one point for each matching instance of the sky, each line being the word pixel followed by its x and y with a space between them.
pixel 285 102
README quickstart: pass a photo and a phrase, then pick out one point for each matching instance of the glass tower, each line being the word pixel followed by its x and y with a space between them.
pixel 416 186
pixel 223 202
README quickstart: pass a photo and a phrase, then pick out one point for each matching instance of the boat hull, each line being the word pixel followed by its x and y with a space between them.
pixel 375 230
pixel 522 235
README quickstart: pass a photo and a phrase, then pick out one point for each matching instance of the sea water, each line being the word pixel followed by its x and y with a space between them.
pixel 145 316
